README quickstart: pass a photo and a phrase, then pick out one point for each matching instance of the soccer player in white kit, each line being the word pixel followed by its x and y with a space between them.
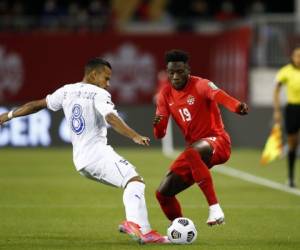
pixel 88 110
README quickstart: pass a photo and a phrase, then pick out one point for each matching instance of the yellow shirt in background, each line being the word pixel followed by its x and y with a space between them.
pixel 290 76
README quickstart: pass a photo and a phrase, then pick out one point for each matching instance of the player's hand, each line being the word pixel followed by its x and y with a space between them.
pixel 277 116
pixel 3 118
pixel 243 109
pixel 142 140
pixel 157 119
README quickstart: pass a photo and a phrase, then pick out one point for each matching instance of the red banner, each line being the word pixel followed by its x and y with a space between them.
pixel 229 62
pixel 33 65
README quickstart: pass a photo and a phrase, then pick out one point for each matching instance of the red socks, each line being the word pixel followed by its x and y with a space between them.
pixel 201 175
pixel 169 205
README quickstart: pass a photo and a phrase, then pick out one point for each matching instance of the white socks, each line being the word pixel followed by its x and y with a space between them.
pixel 215 207
pixel 135 205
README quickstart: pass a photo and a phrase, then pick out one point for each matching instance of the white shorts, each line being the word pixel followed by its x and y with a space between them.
pixel 112 170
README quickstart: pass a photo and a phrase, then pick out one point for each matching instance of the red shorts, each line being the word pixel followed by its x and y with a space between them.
pixel 221 153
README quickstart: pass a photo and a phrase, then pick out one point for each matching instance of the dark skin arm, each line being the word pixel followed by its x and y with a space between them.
pixel 122 128
pixel 26 109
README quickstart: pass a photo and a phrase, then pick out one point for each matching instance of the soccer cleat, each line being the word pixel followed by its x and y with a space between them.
pixel 154 237
pixel 216 215
pixel 132 229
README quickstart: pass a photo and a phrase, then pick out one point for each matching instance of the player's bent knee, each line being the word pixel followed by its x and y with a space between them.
pixel 163 191
pixel 203 149
pixel 165 188
pixel 135 178
pixel 171 185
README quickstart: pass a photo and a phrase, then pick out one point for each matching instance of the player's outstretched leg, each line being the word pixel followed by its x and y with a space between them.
pixel 137 224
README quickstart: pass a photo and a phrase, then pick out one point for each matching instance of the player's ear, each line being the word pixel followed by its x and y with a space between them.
pixel 93 75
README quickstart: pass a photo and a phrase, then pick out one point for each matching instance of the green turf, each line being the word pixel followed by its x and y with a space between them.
pixel 46 204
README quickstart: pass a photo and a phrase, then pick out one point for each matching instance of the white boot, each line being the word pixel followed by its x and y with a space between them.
pixel 216 215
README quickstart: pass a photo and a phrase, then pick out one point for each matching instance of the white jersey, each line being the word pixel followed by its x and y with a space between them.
pixel 85 106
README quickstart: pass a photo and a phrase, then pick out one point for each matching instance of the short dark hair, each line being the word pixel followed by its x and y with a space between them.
pixel 94 63
pixel 176 55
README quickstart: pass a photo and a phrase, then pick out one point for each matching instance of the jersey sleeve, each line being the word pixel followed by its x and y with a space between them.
pixel 55 100
pixel 281 76
pixel 162 105
pixel 104 104
pixel 207 89
pixel 162 109
pixel 213 93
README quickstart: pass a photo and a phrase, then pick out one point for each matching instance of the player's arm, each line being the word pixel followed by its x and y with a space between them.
pixel 277 116
pixel 160 121
pixel 160 124
pixel 26 109
pixel 119 125
pixel 231 103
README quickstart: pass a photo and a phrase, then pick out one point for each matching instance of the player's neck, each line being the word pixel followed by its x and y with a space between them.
pixel 87 80
pixel 185 85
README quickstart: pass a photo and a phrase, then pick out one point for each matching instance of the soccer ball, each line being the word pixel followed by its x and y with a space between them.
pixel 182 231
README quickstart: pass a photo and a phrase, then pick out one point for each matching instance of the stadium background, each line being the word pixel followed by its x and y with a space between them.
pixel 237 44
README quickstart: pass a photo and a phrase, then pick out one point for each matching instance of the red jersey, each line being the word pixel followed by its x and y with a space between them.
pixel 193 108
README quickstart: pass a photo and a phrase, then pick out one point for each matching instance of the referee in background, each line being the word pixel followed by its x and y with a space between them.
pixel 289 75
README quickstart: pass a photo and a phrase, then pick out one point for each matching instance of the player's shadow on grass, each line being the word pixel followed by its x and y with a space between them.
pixel 49 241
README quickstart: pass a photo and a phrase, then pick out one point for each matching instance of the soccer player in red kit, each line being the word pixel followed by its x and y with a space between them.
pixel 193 103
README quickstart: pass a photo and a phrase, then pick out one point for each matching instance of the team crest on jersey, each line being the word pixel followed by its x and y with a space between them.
pixel 190 100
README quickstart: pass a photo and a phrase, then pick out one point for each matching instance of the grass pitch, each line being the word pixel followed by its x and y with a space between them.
pixel 46 204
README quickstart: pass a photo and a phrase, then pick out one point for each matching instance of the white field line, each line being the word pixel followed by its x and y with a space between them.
pixel 255 179
pixel 229 171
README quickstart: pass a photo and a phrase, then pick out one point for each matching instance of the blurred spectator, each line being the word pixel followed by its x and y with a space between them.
pixel 82 20
pixel 99 13
pixel 152 11
pixel 199 10
pixel 226 12
pixel 72 14
pixel 142 12
pixel 186 13
pixel 19 20
pixel 257 7
pixel 3 8
pixel 50 16
pixel 180 11
pixel 4 15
